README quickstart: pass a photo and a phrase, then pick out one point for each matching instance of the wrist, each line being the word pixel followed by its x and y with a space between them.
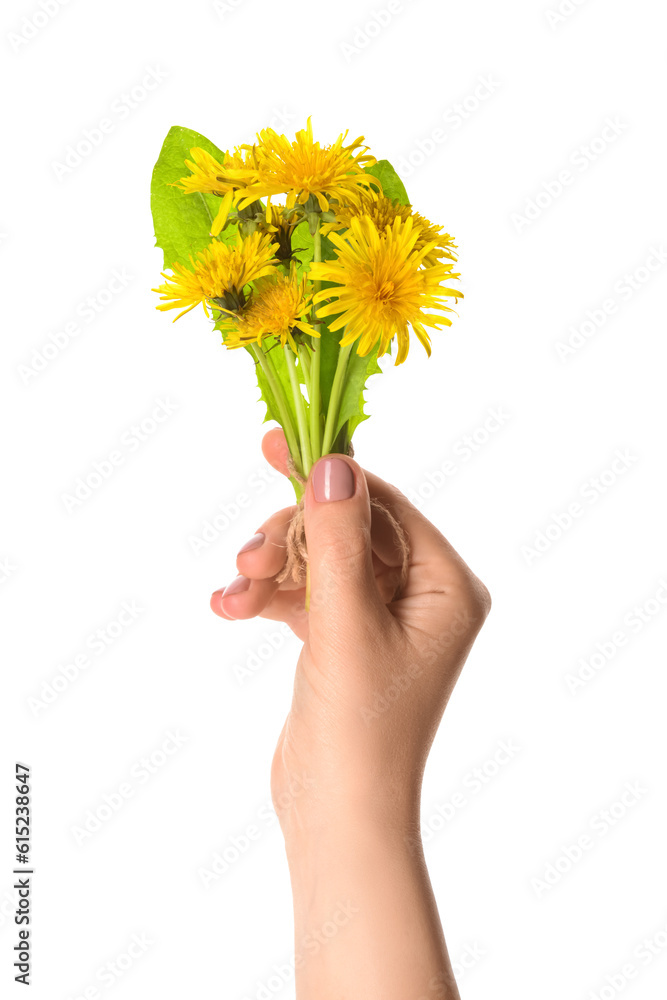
pixel 364 913
pixel 320 816
pixel 330 843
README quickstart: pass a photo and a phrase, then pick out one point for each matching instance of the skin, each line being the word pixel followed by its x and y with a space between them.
pixel 372 682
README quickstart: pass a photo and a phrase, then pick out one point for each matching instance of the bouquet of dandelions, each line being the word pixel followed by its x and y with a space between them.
pixel 315 289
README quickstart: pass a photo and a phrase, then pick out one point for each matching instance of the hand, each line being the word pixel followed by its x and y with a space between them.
pixel 372 681
pixel 375 673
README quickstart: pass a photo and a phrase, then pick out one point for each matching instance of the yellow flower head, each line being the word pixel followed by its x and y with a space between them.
pixel 219 275
pixel 228 179
pixel 281 223
pixel 279 305
pixel 303 168
pixel 382 288
pixel 383 211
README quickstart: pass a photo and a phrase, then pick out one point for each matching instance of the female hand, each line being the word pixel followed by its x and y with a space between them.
pixel 372 681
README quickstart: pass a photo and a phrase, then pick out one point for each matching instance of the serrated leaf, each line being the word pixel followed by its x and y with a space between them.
pixel 352 400
pixel 303 243
pixel 182 221
pixel 392 185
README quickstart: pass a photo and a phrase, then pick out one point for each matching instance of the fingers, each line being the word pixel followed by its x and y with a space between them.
pixel 337 516
pixel 426 542
pixel 283 606
pixel 275 450
pixel 263 555
pixel 242 598
pixel 258 561
pixel 354 551
pixel 435 565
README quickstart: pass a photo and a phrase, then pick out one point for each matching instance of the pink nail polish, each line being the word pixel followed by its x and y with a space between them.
pixel 237 586
pixel 333 479
pixel 253 543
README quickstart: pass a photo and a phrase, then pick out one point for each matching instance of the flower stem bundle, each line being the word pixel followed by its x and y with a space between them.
pixel 311 258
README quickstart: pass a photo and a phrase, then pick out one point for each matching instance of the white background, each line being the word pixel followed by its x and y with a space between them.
pixel 551 85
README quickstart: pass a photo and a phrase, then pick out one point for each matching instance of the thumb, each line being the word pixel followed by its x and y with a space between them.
pixel 337 520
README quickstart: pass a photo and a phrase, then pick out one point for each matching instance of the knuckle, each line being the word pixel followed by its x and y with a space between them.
pixel 476 599
pixel 472 596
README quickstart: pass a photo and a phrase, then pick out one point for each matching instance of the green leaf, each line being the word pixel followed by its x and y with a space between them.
pixel 277 360
pixel 352 400
pixel 182 221
pixel 392 185
pixel 303 243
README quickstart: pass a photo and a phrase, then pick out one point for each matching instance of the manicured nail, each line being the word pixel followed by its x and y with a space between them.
pixel 253 543
pixel 237 586
pixel 333 479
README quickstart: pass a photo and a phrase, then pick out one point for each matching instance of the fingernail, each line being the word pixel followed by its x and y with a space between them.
pixel 253 543
pixel 333 479
pixel 237 586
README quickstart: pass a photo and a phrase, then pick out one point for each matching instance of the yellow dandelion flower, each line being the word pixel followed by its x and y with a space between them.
pixel 280 304
pixel 281 223
pixel 383 211
pixel 382 288
pixel 227 180
pixel 219 275
pixel 303 168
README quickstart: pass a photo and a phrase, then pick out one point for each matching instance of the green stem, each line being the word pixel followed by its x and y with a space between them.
pixel 281 403
pixel 314 382
pixel 304 359
pixel 334 401
pixel 300 407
